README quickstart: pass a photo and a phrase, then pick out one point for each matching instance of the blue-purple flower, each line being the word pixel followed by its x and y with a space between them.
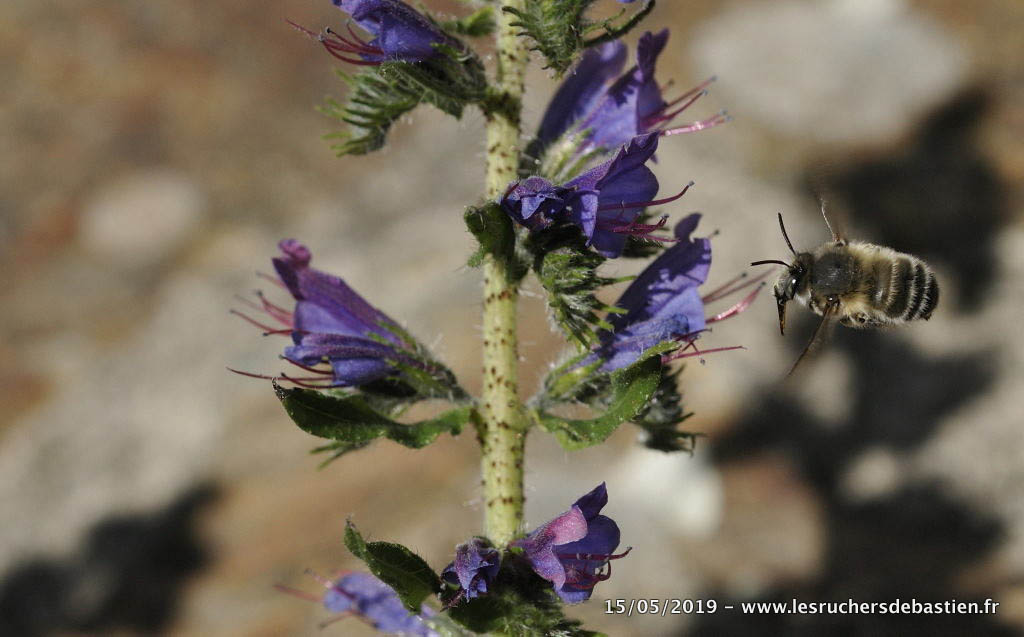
pixel 573 551
pixel 475 566
pixel 603 201
pixel 364 596
pixel 609 111
pixel 663 303
pixel 331 324
pixel 400 33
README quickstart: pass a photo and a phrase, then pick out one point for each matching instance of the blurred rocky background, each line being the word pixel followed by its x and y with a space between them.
pixel 153 153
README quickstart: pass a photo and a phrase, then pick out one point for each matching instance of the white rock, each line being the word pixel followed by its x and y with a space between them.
pixel 835 71
pixel 141 218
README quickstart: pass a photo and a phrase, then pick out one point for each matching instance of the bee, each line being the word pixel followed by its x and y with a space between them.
pixel 858 284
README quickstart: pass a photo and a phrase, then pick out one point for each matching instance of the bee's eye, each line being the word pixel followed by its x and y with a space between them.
pixel 792 282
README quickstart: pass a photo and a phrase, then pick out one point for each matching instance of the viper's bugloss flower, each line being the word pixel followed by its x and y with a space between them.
pixel 475 566
pixel 400 34
pixel 330 324
pixel 603 201
pixel 663 303
pixel 594 109
pixel 573 551
pixel 364 596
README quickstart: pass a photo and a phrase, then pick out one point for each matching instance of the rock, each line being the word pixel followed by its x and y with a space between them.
pixel 142 218
pixel 836 71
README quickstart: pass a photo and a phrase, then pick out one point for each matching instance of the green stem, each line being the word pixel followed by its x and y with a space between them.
pixel 503 434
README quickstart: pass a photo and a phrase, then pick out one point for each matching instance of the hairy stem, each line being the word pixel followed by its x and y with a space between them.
pixel 503 434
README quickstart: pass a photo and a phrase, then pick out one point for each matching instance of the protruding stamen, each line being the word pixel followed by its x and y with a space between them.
pixel 267 329
pixel 667 358
pixel 273 279
pixel 338 45
pixel 328 584
pixel 645 204
pixel 739 307
pixel 700 88
pixel 644 230
pixel 297 593
pixel 720 118
pixel 314 370
pixel 276 311
pixel 722 292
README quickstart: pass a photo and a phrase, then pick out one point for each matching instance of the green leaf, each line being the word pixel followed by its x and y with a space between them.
pixel 478 24
pixel 374 104
pixel 396 566
pixel 348 419
pixel 630 388
pixel 382 94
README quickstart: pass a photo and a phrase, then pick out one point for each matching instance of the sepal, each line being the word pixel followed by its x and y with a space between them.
pixel 567 270
pixel 662 415
pixel 382 94
pixel 397 566
pixel 521 604
pixel 559 28
pixel 496 236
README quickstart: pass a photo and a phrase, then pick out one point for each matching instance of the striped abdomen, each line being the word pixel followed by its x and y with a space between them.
pixel 905 290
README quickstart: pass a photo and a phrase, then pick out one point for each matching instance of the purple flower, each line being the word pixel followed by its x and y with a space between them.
pixel 609 112
pixel 603 201
pixel 400 33
pixel 663 303
pixel 330 324
pixel 364 596
pixel 572 550
pixel 475 566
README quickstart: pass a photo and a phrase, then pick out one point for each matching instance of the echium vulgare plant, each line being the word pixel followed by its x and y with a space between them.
pixel 557 203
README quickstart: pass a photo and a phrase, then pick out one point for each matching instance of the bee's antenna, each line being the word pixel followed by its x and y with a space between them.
pixel 835 237
pixel 786 236
pixel 773 261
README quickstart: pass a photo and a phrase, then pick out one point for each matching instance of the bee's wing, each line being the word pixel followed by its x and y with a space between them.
pixel 828 320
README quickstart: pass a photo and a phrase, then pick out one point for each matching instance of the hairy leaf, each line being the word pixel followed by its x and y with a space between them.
pixel 350 421
pixel 628 392
pixel 395 565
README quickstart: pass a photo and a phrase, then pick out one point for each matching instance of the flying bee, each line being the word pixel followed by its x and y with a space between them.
pixel 859 284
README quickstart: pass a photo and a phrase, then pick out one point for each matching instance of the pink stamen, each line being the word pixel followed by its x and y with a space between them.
pixel 273 279
pixel 350 46
pixel 328 584
pixel 700 88
pixel 276 311
pixel 297 593
pixel 267 329
pixel 644 230
pixel 308 368
pixel 667 358
pixel 302 382
pixel 644 204
pixel 719 118
pixel 736 309
pixel 366 45
pixel 722 292
pixel 252 374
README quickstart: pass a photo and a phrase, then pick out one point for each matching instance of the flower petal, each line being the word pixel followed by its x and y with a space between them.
pixel 582 89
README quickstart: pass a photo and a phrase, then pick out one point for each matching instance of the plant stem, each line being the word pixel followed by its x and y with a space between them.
pixel 503 434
